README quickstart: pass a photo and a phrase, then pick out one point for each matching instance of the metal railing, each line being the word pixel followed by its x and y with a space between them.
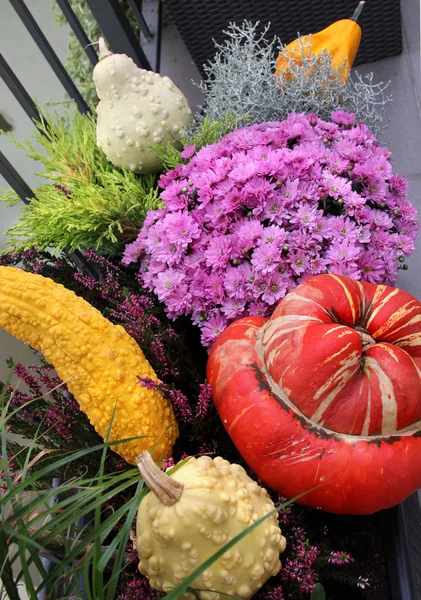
pixel 120 37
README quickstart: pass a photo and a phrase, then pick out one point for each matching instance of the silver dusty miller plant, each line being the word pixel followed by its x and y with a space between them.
pixel 241 80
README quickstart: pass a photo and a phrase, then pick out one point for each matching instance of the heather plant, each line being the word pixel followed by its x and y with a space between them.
pixel 175 358
pixel 249 217
pixel 46 411
pixel 241 79
pixel 61 443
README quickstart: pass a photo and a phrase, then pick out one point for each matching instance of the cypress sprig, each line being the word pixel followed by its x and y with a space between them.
pixel 88 203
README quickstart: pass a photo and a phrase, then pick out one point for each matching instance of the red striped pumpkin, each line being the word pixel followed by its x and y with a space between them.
pixel 327 391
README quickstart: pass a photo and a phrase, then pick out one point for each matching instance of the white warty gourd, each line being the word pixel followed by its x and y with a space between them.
pixel 137 109
pixel 191 514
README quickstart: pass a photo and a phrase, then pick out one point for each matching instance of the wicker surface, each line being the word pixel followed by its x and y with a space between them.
pixel 199 21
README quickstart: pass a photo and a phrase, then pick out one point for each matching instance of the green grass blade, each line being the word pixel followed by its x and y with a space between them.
pixel 6 572
pixel 318 592
pixel 50 469
pixel 123 538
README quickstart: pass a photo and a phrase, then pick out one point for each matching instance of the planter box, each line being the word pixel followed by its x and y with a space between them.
pixel 402 532
pixel 199 22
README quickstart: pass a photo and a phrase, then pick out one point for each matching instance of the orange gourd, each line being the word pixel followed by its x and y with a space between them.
pixel 341 39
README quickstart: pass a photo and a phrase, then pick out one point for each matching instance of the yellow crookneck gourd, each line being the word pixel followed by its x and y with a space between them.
pixel 341 40
pixel 191 514
pixel 98 360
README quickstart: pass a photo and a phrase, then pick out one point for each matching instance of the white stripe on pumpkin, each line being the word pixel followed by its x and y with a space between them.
pixel 378 292
pixel 366 426
pixel 394 318
pixel 389 404
pixel 347 294
pixel 344 374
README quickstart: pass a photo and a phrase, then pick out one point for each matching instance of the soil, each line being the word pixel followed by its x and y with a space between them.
pixel 363 539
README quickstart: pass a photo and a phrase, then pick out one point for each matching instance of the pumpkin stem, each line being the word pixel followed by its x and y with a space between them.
pixel 103 50
pixel 366 339
pixel 167 490
pixel 357 11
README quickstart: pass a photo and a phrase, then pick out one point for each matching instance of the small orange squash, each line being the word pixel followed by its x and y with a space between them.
pixel 341 39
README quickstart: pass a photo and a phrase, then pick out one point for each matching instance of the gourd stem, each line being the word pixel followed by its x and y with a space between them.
pixel 357 11
pixel 167 490
pixel 103 50
pixel 366 340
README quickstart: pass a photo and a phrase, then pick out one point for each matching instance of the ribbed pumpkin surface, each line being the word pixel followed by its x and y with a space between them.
pixel 327 391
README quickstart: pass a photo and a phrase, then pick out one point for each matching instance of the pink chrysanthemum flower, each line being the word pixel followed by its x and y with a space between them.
pixel 251 216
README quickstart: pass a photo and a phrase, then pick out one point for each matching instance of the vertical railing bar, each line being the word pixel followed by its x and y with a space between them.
pixel 117 31
pixel 19 91
pixel 152 14
pixel 8 171
pixel 137 11
pixel 25 193
pixel 159 37
pixel 78 30
pixel 49 54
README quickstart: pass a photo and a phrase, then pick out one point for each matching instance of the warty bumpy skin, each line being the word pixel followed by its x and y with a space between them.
pixel 98 360
pixel 219 501
pixel 137 109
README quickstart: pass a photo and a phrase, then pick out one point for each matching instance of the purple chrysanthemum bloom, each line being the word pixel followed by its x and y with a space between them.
pixel 249 217
pixel 181 228
pixel 167 282
pixel 188 151
pixel 212 328
pixel 341 117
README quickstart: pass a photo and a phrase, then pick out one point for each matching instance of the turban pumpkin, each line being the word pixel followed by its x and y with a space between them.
pixel 327 393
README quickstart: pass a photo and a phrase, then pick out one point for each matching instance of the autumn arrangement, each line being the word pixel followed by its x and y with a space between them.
pixel 226 348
